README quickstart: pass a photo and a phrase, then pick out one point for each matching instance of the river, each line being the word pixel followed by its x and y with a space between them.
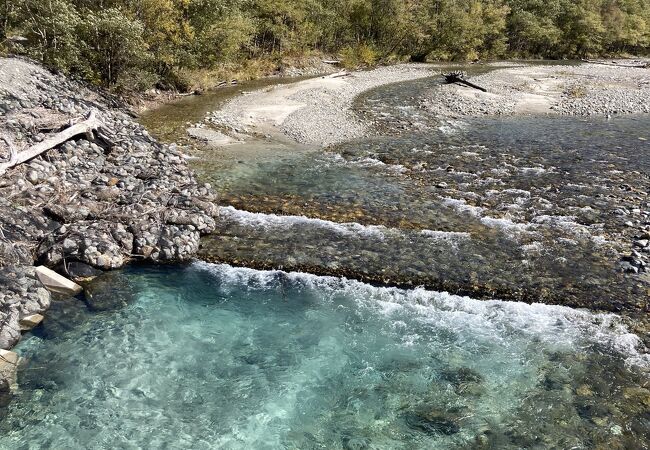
pixel 386 326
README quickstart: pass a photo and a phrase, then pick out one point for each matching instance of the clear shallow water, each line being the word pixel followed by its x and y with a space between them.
pixel 210 356
pixel 542 199
pixel 542 203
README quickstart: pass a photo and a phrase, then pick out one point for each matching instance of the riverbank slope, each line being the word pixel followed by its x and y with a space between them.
pixel 91 203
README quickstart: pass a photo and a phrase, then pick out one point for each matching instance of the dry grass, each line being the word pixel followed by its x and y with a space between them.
pixel 208 79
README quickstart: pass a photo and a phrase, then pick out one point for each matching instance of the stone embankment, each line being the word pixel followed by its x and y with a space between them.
pixel 90 203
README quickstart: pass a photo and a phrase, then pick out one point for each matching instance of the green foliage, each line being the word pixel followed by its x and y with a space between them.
pixel 50 26
pixel 361 55
pixel 112 44
pixel 136 43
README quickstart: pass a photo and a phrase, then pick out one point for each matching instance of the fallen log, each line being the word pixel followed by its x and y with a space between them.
pixel 88 127
pixel 459 77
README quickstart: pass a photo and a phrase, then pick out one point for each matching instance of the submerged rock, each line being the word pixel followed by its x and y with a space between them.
pixel 355 443
pixel 462 375
pixel 64 315
pixel 109 292
pixel 432 421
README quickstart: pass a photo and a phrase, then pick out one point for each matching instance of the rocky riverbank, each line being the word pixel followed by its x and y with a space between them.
pixel 575 90
pixel 90 203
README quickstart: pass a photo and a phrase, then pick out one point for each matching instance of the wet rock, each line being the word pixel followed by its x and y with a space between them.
pixel 8 369
pixel 79 271
pixel 584 391
pixel 643 243
pixel 627 267
pixel 108 292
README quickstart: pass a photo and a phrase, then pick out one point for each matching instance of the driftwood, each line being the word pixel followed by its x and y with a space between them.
pixel 88 127
pixel 340 75
pixel 640 65
pixel 459 77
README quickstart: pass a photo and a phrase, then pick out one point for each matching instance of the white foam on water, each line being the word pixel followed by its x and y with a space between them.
pixel 372 162
pixel 446 235
pixel 452 126
pixel 266 221
pixel 568 224
pixel 504 224
pixel 463 207
pixel 558 326
pixel 534 170
pixel 277 222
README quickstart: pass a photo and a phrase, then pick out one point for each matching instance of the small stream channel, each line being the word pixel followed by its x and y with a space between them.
pixel 216 355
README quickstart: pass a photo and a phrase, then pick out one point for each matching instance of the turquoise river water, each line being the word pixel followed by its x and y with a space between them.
pixel 210 356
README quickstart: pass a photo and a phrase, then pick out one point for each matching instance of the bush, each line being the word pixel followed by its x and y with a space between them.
pixel 50 28
pixel 361 55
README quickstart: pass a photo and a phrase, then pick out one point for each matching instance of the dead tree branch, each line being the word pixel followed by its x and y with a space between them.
pixel 459 77
pixel 87 127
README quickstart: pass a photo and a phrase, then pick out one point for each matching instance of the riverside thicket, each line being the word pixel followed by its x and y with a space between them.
pixel 136 44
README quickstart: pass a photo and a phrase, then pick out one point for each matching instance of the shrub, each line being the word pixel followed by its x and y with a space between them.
pixel 361 55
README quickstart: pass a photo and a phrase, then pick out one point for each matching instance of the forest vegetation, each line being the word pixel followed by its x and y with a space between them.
pixel 137 44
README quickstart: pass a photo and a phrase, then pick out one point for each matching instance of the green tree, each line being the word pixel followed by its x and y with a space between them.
pixel 50 26
pixel 113 45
